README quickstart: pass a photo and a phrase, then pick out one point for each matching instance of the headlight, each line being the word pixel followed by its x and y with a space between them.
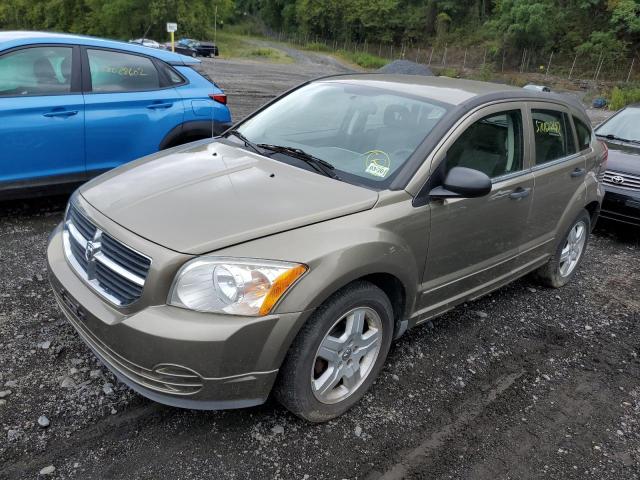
pixel 233 285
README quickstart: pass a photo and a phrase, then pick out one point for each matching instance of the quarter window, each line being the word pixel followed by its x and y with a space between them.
pixel 121 72
pixel 36 71
pixel 171 75
pixel 584 134
pixel 553 135
pixel 492 145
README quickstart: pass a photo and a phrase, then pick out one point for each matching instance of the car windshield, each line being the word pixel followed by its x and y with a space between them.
pixel 366 133
pixel 625 125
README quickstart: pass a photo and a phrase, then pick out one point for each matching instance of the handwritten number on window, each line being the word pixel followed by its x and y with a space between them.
pixel 125 71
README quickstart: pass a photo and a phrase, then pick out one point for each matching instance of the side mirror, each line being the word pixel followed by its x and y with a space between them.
pixel 462 182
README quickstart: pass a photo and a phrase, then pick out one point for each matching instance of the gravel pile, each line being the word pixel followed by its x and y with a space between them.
pixel 406 67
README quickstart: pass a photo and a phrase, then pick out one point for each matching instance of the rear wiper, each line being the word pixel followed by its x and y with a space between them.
pixel 614 137
pixel 318 164
pixel 246 141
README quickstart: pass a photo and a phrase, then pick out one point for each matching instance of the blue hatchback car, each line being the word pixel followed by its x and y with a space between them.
pixel 72 107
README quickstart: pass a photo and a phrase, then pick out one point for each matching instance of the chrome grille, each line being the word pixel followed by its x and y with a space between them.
pixel 622 180
pixel 114 270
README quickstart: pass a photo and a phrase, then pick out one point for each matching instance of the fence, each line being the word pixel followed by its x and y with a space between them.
pixel 604 67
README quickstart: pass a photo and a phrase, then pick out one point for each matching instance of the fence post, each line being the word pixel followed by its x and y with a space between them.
pixel 633 60
pixel 431 56
pixel 504 56
pixel 392 51
pixel 548 65
pixel 464 62
pixel 598 66
pixel 484 59
pixel 418 55
pixel 444 56
pixel 572 66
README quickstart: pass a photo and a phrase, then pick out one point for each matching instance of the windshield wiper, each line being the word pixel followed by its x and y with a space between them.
pixel 614 137
pixel 318 164
pixel 246 141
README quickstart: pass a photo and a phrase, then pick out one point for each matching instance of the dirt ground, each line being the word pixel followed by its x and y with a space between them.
pixel 526 383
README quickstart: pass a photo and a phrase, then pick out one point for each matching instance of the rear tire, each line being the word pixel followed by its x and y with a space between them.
pixel 569 254
pixel 337 354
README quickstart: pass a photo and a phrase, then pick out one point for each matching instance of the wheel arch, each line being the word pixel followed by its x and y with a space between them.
pixel 191 131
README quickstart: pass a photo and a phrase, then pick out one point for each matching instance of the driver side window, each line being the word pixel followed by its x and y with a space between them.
pixel 492 145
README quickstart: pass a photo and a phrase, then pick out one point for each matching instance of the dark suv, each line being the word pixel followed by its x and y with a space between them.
pixel 195 48
pixel 621 180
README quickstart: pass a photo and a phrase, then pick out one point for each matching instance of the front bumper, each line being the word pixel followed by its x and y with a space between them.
pixel 172 355
pixel 621 205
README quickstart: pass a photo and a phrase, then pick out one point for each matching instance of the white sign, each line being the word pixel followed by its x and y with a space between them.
pixel 172 27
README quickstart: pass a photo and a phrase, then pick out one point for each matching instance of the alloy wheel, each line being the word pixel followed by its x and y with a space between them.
pixel 346 355
pixel 573 248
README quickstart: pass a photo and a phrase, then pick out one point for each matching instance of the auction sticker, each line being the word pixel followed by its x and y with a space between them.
pixel 377 163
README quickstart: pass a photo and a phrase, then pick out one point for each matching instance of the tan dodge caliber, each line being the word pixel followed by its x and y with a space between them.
pixel 287 254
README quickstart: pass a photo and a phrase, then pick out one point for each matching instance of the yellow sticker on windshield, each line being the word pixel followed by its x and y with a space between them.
pixel 377 163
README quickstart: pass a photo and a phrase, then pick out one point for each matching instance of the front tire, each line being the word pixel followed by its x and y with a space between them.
pixel 569 254
pixel 337 354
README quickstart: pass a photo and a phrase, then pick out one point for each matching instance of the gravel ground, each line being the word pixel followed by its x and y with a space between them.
pixel 524 383
pixel 405 67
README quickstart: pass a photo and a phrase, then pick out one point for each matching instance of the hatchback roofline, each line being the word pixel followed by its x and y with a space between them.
pixel 21 38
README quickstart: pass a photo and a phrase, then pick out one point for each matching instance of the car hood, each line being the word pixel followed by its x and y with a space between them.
pixel 624 157
pixel 212 195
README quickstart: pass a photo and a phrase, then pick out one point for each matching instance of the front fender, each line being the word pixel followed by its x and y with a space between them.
pixel 390 239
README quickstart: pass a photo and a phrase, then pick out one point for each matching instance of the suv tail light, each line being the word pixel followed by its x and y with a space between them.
pixel 218 97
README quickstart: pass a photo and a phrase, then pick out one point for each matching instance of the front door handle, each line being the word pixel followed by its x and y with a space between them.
pixel 578 172
pixel 61 113
pixel 157 106
pixel 519 193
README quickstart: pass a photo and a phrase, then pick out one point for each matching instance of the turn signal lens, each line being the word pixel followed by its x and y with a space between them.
pixel 280 285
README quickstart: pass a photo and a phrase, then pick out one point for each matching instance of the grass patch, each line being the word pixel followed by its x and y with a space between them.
pixel 317 47
pixel 620 97
pixel 449 72
pixel 365 60
pixel 232 45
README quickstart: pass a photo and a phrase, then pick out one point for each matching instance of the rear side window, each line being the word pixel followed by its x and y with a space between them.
pixel 584 134
pixel 121 72
pixel 553 135
pixel 492 145
pixel 36 71
pixel 171 75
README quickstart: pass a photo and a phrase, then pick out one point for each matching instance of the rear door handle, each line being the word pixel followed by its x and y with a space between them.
pixel 61 113
pixel 578 172
pixel 157 106
pixel 519 193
